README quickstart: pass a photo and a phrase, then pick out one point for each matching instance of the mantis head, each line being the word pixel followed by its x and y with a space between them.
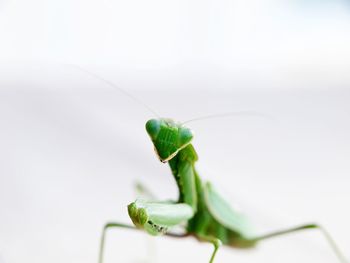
pixel 168 137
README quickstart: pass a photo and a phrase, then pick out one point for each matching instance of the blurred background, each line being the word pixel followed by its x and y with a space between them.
pixel 72 147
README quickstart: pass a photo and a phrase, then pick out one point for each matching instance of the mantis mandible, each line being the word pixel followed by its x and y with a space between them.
pixel 200 209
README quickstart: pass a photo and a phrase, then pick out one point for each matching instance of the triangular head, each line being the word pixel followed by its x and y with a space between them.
pixel 168 137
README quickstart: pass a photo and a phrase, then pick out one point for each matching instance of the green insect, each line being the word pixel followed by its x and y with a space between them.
pixel 200 209
pixel 207 215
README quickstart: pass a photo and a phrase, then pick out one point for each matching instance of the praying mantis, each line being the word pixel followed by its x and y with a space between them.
pixel 207 215
pixel 200 209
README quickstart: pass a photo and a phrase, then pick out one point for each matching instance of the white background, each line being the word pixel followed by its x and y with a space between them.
pixel 71 147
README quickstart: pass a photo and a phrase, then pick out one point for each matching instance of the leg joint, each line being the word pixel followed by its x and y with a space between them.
pixel 217 243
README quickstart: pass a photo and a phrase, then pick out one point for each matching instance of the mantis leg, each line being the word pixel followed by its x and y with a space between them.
pixel 216 242
pixel 120 225
pixel 103 237
pixel 328 237
pixel 143 191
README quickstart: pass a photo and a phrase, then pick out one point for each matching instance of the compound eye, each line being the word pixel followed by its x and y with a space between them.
pixel 153 128
pixel 185 136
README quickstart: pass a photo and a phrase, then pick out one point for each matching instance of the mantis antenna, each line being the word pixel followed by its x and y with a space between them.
pixel 230 114
pixel 111 84
pixel 213 116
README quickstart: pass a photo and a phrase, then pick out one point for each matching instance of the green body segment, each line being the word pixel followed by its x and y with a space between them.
pixel 205 213
pixel 213 216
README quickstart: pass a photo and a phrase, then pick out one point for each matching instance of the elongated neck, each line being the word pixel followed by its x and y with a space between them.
pixel 182 167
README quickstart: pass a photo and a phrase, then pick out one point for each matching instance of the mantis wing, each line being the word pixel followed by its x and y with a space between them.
pixel 221 210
